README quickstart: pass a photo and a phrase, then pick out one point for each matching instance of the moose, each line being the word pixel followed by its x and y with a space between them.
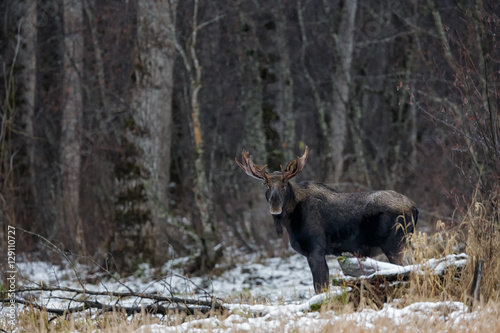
pixel 321 221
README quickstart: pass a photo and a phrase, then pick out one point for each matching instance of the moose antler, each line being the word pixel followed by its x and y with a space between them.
pixel 295 166
pixel 250 168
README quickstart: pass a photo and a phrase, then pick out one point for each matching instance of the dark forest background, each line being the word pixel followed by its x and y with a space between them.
pixel 120 120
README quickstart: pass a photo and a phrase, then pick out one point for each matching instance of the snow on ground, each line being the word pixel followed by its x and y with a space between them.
pixel 273 279
pixel 279 290
pixel 294 318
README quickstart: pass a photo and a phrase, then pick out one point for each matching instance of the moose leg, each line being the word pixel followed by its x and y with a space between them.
pixel 319 270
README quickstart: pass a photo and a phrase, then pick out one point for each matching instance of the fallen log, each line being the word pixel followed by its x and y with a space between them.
pixel 369 280
pixel 369 268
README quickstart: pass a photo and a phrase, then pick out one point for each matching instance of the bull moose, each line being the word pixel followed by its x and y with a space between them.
pixel 320 221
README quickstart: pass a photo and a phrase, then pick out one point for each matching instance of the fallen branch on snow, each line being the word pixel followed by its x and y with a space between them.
pixel 368 268
pixel 157 304
pixel 366 278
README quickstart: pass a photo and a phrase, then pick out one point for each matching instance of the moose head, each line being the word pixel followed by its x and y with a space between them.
pixel 277 187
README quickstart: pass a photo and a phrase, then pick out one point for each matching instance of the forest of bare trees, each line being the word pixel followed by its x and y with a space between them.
pixel 120 120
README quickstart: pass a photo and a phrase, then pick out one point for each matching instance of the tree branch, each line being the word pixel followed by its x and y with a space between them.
pixel 120 295
pixel 171 304
pixel 129 310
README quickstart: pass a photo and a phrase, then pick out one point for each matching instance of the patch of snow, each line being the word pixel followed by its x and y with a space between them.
pixel 272 278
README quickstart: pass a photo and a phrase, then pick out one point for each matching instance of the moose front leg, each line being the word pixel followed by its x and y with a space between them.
pixel 319 270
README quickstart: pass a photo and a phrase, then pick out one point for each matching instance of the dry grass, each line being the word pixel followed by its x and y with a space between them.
pixel 33 320
pixel 486 319
pixel 479 236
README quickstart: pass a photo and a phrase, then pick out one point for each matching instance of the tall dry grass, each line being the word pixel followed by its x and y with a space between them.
pixel 478 236
pixel 34 320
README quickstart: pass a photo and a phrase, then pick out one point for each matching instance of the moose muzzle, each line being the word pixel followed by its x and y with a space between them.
pixel 275 202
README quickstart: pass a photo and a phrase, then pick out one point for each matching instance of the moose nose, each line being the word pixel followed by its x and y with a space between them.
pixel 275 210
pixel 275 202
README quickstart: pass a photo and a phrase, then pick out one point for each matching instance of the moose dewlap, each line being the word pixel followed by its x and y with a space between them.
pixel 321 221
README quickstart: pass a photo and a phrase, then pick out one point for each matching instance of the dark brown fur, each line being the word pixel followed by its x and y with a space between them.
pixel 321 221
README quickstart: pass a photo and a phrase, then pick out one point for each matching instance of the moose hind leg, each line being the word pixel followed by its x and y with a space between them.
pixel 319 270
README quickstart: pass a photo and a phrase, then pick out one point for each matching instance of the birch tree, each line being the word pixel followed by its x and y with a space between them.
pixel 203 187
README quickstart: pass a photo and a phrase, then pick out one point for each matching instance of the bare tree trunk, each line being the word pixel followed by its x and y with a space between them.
pixel 153 95
pixel 321 105
pixel 252 98
pixel 152 103
pixel 344 44
pixel 356 129
pixel 71 125
pixel 89 11
pixel 284 105
pixel 251 94
pixel 28 78
pixel 203 187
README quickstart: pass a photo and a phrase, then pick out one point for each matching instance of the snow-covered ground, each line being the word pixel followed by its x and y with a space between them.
pixel 296 318
pixel 273 294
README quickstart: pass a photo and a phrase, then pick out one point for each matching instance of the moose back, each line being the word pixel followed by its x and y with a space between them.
pixel 321 221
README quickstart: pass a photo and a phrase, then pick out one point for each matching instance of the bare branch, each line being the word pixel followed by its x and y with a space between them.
pixel 121 295
pixel 157 304
pixel 129 310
